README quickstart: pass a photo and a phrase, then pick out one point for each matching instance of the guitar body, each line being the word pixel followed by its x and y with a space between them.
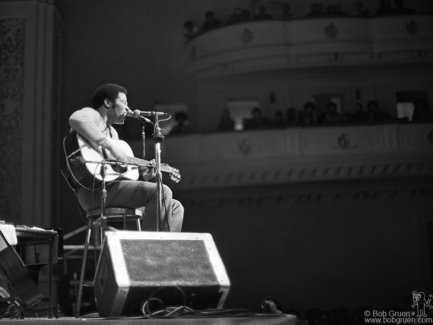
pixel 84 163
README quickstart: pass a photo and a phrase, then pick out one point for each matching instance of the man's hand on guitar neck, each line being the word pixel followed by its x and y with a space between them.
pixel 114 150
pixel 149 173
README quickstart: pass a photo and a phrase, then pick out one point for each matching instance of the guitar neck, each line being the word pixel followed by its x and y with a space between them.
pixel 146 163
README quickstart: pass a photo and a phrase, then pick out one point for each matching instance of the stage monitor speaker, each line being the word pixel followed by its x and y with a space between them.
pixel 135 266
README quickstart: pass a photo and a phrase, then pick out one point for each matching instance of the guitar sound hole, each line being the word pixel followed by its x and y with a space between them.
pixel 119 169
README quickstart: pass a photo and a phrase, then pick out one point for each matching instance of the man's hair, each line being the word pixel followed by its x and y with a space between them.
pixel 108 91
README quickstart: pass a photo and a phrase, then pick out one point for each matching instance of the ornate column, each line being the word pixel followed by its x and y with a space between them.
pixel 30 47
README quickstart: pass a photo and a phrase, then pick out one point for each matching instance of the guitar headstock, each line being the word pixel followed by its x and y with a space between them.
pixel 175 175
pixel 173 172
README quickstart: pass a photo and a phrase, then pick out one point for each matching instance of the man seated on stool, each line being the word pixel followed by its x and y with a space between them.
pixel 110 106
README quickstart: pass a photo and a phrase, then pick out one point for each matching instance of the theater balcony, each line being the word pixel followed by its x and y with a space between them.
pixel 327 41
pixel 293 155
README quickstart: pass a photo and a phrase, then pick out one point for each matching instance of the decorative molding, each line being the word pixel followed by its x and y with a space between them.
pixel 312 42
pixel 373 142
pixel 244 147
pixel 344 142
pixel 412 27
pixel 247 36
pixel 56 104
pixel 36 94
pixel 331 31
pixel 296 155
pixel 306 195
pixel 271 175
pixel 12 33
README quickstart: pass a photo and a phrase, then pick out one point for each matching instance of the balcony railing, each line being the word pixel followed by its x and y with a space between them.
pixel 264 45
pixel 298 154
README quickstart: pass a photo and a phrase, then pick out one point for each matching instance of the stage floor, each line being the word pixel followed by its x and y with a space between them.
pixel 256 319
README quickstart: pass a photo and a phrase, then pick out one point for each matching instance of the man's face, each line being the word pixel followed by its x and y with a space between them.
pixel 119 109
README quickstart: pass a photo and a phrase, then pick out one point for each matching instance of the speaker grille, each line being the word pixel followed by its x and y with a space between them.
pixel 167 263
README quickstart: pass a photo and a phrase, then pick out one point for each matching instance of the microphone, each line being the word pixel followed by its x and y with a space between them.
pixel 144 113
pixel 136 114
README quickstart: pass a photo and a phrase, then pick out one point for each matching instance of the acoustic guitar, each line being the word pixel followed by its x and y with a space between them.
pixel 84 163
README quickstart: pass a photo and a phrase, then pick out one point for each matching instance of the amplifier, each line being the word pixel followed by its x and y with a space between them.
pixel 174 268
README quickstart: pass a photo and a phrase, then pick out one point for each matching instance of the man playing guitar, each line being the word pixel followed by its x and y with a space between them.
pixel 94 130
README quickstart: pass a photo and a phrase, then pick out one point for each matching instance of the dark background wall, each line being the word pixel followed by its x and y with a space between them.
pixel 312 247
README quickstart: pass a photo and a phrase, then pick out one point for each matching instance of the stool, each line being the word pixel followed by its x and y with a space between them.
pixel 94 221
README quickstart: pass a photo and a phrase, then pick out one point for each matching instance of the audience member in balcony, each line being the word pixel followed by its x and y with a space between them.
pixel 339 10
pixel 285 12
pixel 385 8
pixel 182 126
pixel 246 15
pixel 316 10
pixel 309 115
pixel 359 115
pixel 291 117
pixel 421 112
pixel 359 9
pixel 400 9
pixel 330 10
pixel 236 17
pixel 278 119
pixel 331 115
pixel 334 10
pixel 191 30
pixel 210 22
pixel 263 15
pixel 375 115
pixel 226 123
pixel 257 121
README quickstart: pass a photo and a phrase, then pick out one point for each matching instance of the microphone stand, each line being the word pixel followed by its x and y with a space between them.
pixel 143 136
pixel 158 138
pixel 103 224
